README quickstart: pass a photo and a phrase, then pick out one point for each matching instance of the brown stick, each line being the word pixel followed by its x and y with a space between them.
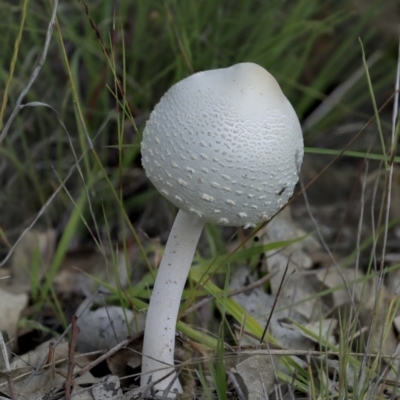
pixel 71 356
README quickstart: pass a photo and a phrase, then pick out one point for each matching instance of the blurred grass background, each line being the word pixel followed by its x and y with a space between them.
pixel 311 47
pixel 108 64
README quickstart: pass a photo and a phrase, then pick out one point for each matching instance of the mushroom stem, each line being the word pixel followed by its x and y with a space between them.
pixel 159 334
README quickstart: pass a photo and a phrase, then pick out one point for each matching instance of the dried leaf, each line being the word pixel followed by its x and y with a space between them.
pixel 298 291
pixel 333 279
pixel 5 352
pixel 372 305
pixel 81 394
pixel 299 284
pixel 78 266
pixel 38 246
pixel 11 306
pixel 105 327
pixel 33 387
pixel 32 383
pixel 109 388
pixel 321 329
pixel 127 357
pixel 133 394
pixel 31 360
pixel 287 336
pixel 282 228
pixel 256 376
pixel 256 302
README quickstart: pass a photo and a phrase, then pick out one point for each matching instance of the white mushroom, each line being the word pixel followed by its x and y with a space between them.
pixel 225 146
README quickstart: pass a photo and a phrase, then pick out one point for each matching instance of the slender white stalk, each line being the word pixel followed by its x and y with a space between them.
pixel 159 334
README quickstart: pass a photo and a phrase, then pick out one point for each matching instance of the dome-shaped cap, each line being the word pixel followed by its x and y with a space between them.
pixel 225 145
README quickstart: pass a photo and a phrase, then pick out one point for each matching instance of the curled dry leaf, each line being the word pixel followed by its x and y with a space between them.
pixel 30 261
pixel 129 356
pixel 11 306
pixel 256 376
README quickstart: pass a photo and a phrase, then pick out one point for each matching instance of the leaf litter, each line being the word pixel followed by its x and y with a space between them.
pixel 302 320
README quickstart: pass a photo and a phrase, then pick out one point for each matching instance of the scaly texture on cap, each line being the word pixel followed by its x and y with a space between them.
pixel 225 145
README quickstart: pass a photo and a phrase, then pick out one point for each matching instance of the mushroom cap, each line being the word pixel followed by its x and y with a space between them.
pixel 225 145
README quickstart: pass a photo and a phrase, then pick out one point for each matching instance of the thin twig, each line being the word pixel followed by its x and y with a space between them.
pixel 388 192
pixel 360 223
pixel 35 72
pixel 275 300
pixel 95 362
pixel 109 353
pixel 45 361
pixel 327 249
pixel 61 186
pixel 71 357
pixel 373 254
pixel 231 293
